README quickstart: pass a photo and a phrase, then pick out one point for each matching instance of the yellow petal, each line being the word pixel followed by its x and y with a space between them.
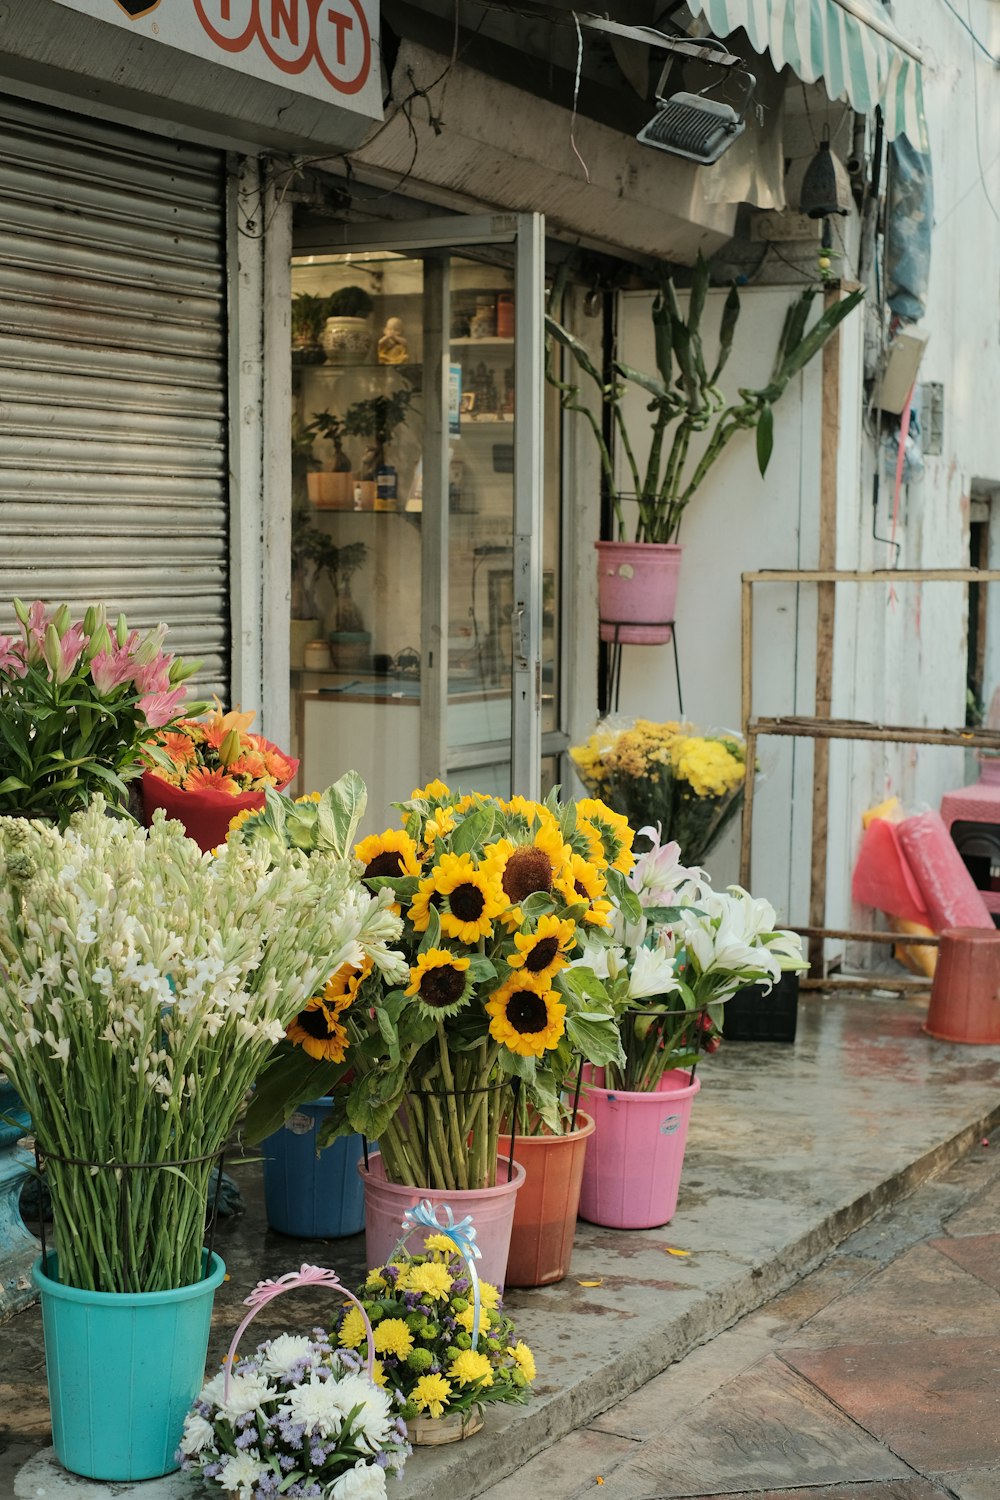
pixel 671 1250
pixel 590 1283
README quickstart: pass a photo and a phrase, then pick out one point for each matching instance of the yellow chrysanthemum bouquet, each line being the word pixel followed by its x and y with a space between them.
pixel 689 784
pixel 422 1310
pixel 496 899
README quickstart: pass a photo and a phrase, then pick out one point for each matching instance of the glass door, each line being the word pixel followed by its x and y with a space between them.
pixel 422 562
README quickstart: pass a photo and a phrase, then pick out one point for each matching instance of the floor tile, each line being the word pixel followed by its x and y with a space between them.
pixel 974 1484
pixel 976 1253
pixel 935 1402
pixel 766 1429
pixel 893 1489
pixel 575 1462
pixel 923 1292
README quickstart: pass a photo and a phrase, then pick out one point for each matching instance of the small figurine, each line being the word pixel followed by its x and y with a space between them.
pixel 392 348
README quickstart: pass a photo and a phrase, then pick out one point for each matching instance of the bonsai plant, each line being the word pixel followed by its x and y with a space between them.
pixel 684 400
pixel 330 486
pixel 347 335
pixel 309 313
pixel 375 420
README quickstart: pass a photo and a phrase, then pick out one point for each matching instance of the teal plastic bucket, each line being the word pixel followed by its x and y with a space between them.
pixel 313 1197
pixel 123 1368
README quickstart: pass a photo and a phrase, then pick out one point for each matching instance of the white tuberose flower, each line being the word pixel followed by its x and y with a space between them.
pixel 363 1482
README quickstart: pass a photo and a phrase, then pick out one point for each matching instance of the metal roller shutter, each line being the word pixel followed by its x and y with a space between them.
pixel 113 432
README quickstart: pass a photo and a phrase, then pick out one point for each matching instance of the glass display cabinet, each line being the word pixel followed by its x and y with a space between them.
pixel 425 532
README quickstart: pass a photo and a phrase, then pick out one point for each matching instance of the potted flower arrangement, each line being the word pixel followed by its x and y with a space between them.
pixel 496 897
pixel 78 700
pixel 441 1335
pixel 638 578
pixel 330 487
pixel 680 951
pixel 203 771
pixel 299 1415
pixel 142 988
pixel 347 336
pixel 690 785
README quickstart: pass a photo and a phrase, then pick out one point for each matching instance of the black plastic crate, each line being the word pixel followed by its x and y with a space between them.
pixel 753 1016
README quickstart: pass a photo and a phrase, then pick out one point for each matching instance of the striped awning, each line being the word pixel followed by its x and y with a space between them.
pixel 848 44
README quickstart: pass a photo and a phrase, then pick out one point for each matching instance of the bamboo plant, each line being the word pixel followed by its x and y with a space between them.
pixel 685 398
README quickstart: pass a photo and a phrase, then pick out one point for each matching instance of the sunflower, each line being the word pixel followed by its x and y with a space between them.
pixel 390 853
pixel 341 988
pixel 439 981
pixel 424 897
pixel 584 882
pixel 238 819
pixel 542 952
pixel 472 897
pixel 526 1016
pixel 438 826
pixel 318 1032
pixel 528 866
pixel 612 831
pixel 434 791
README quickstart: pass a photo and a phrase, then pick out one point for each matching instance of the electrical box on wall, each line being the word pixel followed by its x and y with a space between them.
pixel 899 371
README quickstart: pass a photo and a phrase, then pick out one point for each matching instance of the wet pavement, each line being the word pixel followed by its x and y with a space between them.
pixel 791 1150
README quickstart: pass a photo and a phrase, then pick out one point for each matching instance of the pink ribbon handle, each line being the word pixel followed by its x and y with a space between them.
pixel 265 1292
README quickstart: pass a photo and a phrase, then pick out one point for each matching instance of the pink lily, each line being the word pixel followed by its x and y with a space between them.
pixel 154 676
pixel 161 708
pixel 62 652
pixel 34 632
pixel 110 669
pixel 12 656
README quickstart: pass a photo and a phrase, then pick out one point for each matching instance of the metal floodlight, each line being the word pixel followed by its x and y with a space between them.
pixel 693 126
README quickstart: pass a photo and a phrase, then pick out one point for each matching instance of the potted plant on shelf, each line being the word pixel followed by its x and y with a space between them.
pixel 348 338
pixel 689 785
pixel 350 642
pixel 142 988
pixel 680 951
pixel 638 578
pixel 331 486
pixel 487 889
pixel 375 420
pixel 78 701
pixel 309 315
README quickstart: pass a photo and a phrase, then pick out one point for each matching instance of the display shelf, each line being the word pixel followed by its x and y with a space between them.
pixel 466 341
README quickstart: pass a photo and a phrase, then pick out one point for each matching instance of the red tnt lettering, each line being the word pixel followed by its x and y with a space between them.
pixel 342 24
pixel 285 13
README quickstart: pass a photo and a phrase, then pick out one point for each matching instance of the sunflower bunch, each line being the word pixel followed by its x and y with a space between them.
pixel 422 1312
pixel 498 900
pixel 217 753
pixel 690 785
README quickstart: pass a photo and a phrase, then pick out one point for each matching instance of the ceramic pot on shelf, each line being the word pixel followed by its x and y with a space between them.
pixel 348 341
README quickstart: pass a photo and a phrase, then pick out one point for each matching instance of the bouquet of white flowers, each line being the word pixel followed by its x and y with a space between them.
pixel 143 986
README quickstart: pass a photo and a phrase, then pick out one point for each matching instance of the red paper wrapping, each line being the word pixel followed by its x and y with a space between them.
pixel 206 815
pixel 882 876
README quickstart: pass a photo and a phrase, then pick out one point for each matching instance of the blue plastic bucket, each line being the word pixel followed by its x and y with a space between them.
pixel 123 1368
pixel 312 1197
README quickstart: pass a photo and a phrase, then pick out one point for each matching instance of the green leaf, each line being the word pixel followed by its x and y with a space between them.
pixel 578 351
pixel 374 1100
pixel 765 437
pixel 623 895
pixel 473 831
pixel 344 804
pixel 432 937
pixel 649 383
pixel 595 1037
pixel 582 983
pixel 291 1078
pixel 727 330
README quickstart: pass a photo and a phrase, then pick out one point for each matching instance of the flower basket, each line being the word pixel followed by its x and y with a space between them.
pixel 296 1406
pixel 206 815
pixel 439 1329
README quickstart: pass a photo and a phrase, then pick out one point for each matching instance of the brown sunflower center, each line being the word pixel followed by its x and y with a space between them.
pixel 527 1012
pixel 442 986
pixel 541 954
pixel 316 1023
pixel 389 862
pixel 467 902
pixel 526 871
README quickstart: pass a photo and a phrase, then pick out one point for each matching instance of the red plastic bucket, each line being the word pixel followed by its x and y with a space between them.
pixel 632 1172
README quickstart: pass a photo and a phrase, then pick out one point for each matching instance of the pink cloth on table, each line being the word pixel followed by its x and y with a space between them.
pixel 882 877
pixel 948 890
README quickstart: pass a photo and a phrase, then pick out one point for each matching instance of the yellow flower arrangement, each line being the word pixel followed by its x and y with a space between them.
pixel 498 900
pixel 690 784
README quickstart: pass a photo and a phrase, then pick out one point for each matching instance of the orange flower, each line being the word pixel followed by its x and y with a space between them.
pixel 178 746
pixel 217 724
pixel 201 779
pixel 251 763
pixel 276 766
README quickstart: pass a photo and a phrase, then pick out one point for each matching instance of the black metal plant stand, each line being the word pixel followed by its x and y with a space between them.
pixel 613 679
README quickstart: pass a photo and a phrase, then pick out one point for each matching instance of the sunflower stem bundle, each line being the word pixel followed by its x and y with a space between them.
pixel 143 986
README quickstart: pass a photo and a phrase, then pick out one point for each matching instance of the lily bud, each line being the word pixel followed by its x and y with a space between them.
pixel 180 670
pixel 62 619
pixel 99 641
pixel 230 748
pixel 90 620
pixel 51 649
pixel 21 610
pixel 121 630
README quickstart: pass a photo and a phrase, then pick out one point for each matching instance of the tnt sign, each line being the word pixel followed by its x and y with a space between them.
pixel 317 47
pixel 293 33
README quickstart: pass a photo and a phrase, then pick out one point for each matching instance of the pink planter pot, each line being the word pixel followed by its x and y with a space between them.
pixel 492 1211
pixel 637 590
pixel 633 1168
pixel 545 1211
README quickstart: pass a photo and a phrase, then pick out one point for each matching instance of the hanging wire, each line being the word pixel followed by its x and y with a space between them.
pixel 967 26
pixel 576 95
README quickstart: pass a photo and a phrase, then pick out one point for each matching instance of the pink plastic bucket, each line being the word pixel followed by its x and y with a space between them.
pixel 492 1211
pixel 637 590
pixel 632 1171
